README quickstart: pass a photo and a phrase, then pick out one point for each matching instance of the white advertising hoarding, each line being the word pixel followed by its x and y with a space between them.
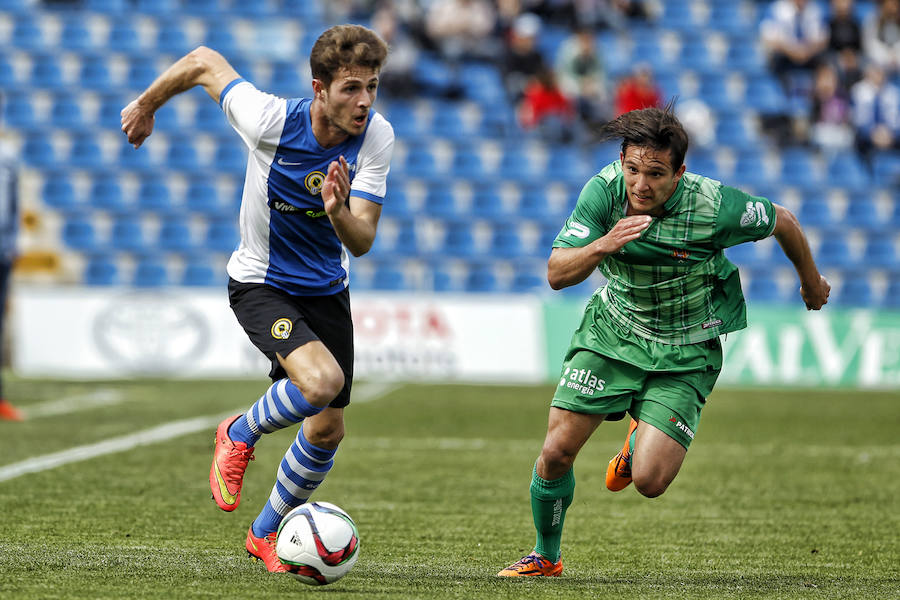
pixel 121 333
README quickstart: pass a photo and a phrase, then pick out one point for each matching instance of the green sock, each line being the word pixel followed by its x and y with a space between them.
pixel 631 439
pixel 549 501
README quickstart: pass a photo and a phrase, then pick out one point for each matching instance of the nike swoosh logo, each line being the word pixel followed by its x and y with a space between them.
pixel 284 163
pixel 227 496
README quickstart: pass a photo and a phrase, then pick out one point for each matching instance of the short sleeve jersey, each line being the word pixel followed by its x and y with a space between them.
pixel 673 284
pixel 287 240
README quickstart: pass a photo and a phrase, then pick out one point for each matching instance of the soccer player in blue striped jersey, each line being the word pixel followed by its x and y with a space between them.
pixel 313 191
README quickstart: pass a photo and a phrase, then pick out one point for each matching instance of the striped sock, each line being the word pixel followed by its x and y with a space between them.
pixel 281 406
pixel 302 469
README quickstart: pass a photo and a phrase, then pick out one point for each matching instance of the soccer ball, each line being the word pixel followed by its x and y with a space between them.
pixel 318 543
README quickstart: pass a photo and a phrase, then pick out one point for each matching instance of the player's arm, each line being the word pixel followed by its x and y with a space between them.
pixel 355 222
pixel 571 266
pixel 202 66
pixel 814 288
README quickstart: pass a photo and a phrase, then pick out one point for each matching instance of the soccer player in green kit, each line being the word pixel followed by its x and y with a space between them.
pixel 648 344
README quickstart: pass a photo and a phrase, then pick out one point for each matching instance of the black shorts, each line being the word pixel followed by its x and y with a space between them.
pixel 278 322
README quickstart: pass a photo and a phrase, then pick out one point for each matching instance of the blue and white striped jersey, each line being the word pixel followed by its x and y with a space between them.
pixel 287 240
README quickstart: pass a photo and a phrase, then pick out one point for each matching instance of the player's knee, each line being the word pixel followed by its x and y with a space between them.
pixel 556 460
pixel 652 485
pixel 328 435
pixel 321 386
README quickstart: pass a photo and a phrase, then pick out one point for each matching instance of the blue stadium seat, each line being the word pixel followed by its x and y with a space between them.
pixel 106 193
pixel 695 55
pixel 142 70
pixel 714 91
pixel 482 83
pixel 166 119
pixel 886 168
pixel 157 7
pixel 815 212
pixel 480 278
pixel 101 270
pixel 727 17
pixel 109 115
pixel 846 169
pixel 219 37
pixel 127 234
pixel 209 117
pixel 744 56
pixel 458 239
pixel 136 159
pixel 834 251
pixel 515 163
pixel 154 195
pixel 181 154
pixel 419 162
pixel 447 122
pixel 433 76
pixel 862 212
pixel 46 72
pixel 880 251
pixel 440 200
pixel 58 191
pixel 85 152
pixel 8 78
pixel 78 233
pixel 388 277
pixel 230 156
pixel 18 111
pixel 745 256
pixel 109 7
pixel 175 235
pixel 203 197
pixel 855 290
pixel 763 287
pixel 94 73
pixel 123 36
pixel 38 150
pixel 487 202
pixel 27 33
pixel 506 241
pixel 66 112
pixel 797 168
pixel 171 38
pixel 221 235
pixel 150 272
pixel 765 95
pixel 285 80
pixel 406 243
pixel 529 278
pixel 467 163
pixel 891 298
pixel 750 167
pixel 199 272
pixel 75 34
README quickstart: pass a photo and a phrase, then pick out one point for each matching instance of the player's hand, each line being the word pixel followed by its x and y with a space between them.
pixel 816 296
pixel 626 230
pixel 136 123
pixel 336 188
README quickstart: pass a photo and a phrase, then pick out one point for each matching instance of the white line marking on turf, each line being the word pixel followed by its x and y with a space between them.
pixel 366 392
pixel 64 406
pixel 154 435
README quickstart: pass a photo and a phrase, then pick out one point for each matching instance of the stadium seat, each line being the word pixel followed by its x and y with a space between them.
pixel 58 191
pixel 695 55
pixel 127 234
pixel 101 270
pixel 85 152
pixel 171 38
pixel 230 156
pixel 94 73
pixel 745 256
pixel 175 235
pixel 515 164
pixel 886 168
pixel 66 112
pixel 199 272
pixel 487 202
pixel 388 277
pixel 440 201
pixel 763 288
pixel 529 278
pixel 38 150
pixel 506 241
pixel 219 36
pixel 419 162
pixel 433 77
pixel 135 159
pixel 18 111
pixel 855 290
pixel 157 7
pixel 75 35
pixel 142 70
pixel 106 193
pixel 285 79
pixel 797 168
pixel 447 122
pixel 467 163
pixel 480 278
pixel 482 83
pixel 221 235
pixel 109 7
pixel 834 252
pixel 406 243
pixel 182 154
pixel 458 239
pixel 123 37
pixel 46 72
pixel 891 298
pixel 815 212
pixel 78 233
pixel 150 272
pixel 27 33
pixel 880 251
pixel 109 115
pixel 764 95
pixel 202 197
pixel 209 117
pixel 154 195
pixel 862 212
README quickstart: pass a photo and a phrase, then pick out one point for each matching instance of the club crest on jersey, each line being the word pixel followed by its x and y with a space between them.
pixel 281 329
pixel 680 254
pixel 314 182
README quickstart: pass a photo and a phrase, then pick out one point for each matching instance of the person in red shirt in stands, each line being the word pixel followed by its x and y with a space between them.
pixel 637 91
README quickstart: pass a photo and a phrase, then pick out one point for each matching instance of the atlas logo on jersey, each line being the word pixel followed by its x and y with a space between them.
pixel 314 181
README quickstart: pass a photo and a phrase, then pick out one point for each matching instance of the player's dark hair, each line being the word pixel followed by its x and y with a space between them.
pixel 346 46
pixel 656 128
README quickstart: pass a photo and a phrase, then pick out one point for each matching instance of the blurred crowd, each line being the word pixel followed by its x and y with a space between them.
pixel 840 73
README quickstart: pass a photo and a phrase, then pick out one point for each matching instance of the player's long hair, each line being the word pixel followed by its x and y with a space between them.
pixel 656 128
pixel 346 46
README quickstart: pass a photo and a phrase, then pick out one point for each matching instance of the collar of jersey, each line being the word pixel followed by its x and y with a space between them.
pixel 675 198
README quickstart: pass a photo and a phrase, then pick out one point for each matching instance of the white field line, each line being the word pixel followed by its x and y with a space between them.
pixel 371 391
pixel 155 435
pixel 79 402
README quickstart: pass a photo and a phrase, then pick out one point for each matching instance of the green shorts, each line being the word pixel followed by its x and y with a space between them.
pixel 661 384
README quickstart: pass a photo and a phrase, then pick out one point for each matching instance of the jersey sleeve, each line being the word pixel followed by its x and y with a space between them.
pixel 258 117
pixel 590 217
pixel 374 163
pixel 743 218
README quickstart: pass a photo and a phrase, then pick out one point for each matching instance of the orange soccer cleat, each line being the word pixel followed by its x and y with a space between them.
pixel 264 549
pixel 8 412
pixel 226 475
pixel 533 565
pixel 618 472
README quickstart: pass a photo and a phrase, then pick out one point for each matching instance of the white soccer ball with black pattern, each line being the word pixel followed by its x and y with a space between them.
pixel 318 543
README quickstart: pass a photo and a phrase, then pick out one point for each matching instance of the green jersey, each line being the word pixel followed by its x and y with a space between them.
pixel 672 285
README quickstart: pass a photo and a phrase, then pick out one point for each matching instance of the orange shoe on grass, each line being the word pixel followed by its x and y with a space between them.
pixel 618 472
pixel 226 475
pixel 264 549
pixel 8 412
pixel 533 565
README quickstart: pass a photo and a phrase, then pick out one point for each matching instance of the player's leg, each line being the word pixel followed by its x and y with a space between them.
pixel 7 411
pixel 656 461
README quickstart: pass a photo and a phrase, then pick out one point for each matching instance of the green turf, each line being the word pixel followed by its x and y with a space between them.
pixel 783 495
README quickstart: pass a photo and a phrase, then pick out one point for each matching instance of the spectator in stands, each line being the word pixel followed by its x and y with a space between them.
pixel 794 35
pixel 876 112
pixel 461 29
pixel 881 37
pixel 831 128
pixel 844 31
pixel 397 77
pixel 9 225
pixel 579 69
pixel 546 108
pixel 638 90
pixel 521 60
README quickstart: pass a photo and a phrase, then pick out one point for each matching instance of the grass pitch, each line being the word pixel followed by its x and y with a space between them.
pixel 782 495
